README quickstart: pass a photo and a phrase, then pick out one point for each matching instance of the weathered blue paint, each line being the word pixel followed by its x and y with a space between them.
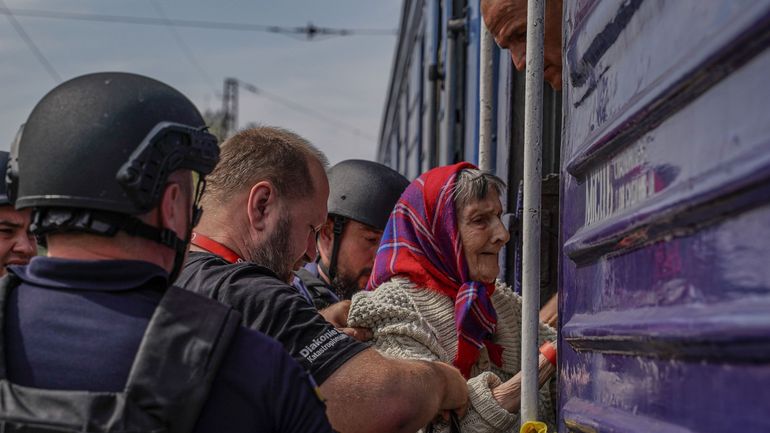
pixel 665 273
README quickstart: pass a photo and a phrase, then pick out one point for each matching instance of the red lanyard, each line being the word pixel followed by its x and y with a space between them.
pixel 206 243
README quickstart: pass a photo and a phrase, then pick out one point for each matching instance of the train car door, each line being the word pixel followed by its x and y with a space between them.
pixel 665 217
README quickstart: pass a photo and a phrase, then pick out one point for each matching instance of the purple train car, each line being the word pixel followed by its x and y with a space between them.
pixel 665 222
pixel 656 196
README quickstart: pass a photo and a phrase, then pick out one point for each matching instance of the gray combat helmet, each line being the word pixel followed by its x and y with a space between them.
pixel 363 191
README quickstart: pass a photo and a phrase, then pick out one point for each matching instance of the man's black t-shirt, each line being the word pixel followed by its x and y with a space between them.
pixel 273 307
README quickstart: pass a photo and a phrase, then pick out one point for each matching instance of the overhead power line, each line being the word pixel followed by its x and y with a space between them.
pixel 309 112
pixel 185 48
pixel 310 31
pixel 306 110
pixel 30 43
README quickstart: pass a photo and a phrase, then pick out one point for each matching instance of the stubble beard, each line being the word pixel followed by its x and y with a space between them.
pixel 274 253
pixel 345 286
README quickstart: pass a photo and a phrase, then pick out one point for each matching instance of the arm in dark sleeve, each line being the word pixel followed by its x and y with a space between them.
pixel 260 388
pixel 277 310
pixel 297 400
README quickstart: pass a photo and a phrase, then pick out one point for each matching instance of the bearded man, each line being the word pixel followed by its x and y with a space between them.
pixel 264 205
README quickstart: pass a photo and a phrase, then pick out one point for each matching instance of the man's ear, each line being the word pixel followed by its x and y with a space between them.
pixel 262 202
pixel 326 239
pixel 327 230
pixel 170 214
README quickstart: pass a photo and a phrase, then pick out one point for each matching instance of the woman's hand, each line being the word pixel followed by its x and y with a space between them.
pixel 549 314
pixel 360 334
pixel 508 393
pixel 337 314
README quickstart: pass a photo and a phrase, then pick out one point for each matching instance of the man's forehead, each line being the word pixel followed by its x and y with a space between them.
pixel 505 16
pixel 507 9
pixel 318 174
pixel 10 216
pixel 364 229
pixel 321 185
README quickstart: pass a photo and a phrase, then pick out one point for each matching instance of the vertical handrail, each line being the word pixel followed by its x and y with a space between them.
pixel 451 105
pixel 533 125
pixel 486 87
pixel 456 27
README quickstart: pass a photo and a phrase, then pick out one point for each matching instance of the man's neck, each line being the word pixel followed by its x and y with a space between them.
pixel 120 247
pixel 225 234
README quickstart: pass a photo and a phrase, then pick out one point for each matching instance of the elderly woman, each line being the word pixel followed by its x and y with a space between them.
pixel 436 297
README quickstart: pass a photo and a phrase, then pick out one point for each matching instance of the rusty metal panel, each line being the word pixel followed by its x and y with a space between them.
pixel 665 276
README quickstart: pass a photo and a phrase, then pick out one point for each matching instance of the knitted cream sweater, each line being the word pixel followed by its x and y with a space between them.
pixel 414 323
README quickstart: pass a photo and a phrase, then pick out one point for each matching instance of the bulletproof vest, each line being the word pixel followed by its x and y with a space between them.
pixel 170 378
pixel 323 294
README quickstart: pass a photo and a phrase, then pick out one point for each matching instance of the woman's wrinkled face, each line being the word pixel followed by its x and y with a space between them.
pixel 483 235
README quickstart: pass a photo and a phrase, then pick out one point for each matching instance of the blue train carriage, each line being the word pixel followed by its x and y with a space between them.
pixel 665 272
pixel 432 103
pixel 655 209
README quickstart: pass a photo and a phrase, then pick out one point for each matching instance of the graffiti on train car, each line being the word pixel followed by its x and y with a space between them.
pixel 624 181
pixel 617 185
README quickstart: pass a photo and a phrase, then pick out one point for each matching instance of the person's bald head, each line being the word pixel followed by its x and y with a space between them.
pixel 507 21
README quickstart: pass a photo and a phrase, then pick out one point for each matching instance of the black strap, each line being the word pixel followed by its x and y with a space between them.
pixel 164 236
pixel 175 366
pixel 323 294
pixel 184 344
pixel 7 283
pixel 339 225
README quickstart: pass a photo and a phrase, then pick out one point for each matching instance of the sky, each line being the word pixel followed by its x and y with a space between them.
pixel 341 81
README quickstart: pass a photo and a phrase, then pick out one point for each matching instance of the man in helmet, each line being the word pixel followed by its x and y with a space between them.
pixel 264 203
pixel 17 245
pixel 361 196
pixel 111 166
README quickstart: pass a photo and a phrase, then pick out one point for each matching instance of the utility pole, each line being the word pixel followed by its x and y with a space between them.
pixel 229 107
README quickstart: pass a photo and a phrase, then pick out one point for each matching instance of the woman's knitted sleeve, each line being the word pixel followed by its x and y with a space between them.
pixel 546 333
pixel 400 331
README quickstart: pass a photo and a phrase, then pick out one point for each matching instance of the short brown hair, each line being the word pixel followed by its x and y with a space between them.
pixel 264 153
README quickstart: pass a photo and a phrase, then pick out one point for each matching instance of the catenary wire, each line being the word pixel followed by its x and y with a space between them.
pixel 186 48
pixel 306 110
pixel 310 31
pixel 30 43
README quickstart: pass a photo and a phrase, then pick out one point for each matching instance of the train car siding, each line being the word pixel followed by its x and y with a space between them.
pixel 656 160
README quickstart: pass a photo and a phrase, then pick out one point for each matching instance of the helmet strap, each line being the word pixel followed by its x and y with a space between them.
pixel 339 225
pixel 105 223
pixel 163 236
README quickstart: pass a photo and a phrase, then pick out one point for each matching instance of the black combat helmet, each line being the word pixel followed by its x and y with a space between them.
pixel 3 187
pixel 363 191
pixel 98 149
